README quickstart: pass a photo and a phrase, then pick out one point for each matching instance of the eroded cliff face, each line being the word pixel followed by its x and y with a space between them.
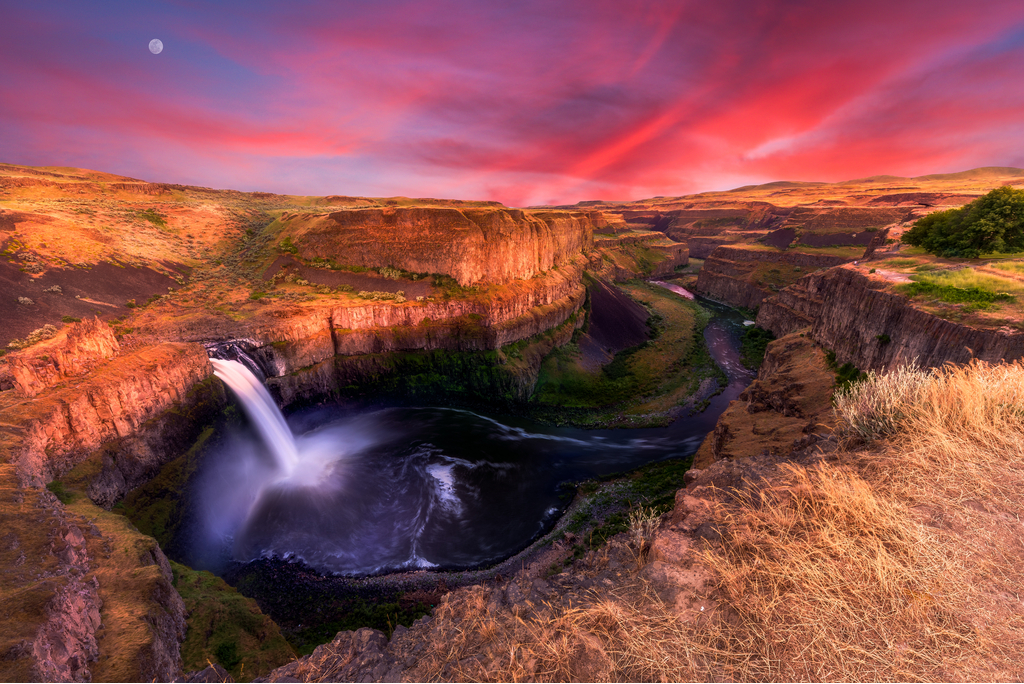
pixel 492 319
pixel 744 277
pixel 486 244
pixel 782 410
pixel 72 352
pixel 86 598
pixel 636 254
pixel 59 428
pixel 848 312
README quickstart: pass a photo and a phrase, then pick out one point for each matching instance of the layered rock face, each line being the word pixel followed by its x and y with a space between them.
pixel 504 315
pixel 59 429
pixel 72 352
pixel 489 244
pixel 744 277
pixel 636 255
pixel 76 613
pixel 788 402
pixel 848 313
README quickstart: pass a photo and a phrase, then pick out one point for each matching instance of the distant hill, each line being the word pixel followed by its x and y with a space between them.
pixel 976 174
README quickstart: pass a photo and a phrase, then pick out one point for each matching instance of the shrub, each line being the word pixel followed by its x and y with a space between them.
pixel 56 487
pixel 288 247
pixel 878 406
pixel 992 223
pixel 752 346
pixel 70 319
pixel 37 335
pixel 54 288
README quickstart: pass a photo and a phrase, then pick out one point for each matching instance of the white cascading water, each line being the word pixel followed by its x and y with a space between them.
pixel 261 409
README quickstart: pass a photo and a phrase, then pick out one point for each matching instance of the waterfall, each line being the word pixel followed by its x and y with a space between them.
pixel 262 410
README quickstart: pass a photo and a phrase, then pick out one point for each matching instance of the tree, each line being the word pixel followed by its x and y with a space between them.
pixel 991 223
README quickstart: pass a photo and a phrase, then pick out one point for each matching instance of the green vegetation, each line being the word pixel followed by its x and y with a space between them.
pixel 227 628
pixel 155 507
pixel 1010 266
pixel 978 296
pixel 450 287
pixel 499 377
pixel 644 385
pixel 153 216
pixel 312 613
pixel 992 223
pixel 57 488
pixel 900 263
pixel 846 375
pixel 70 319
pixel 753 345
pixel 287 246
pixel 607 502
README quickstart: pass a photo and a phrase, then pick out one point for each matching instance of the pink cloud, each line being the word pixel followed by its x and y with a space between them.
pixel 529 102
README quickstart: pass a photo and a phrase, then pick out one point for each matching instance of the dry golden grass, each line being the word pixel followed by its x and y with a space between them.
pixel 896 561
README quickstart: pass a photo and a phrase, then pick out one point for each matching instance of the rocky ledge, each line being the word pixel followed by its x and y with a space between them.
pixel 849 312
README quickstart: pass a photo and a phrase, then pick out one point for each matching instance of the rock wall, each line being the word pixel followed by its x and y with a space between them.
pixel 789 400
pixel 60 428
pixel 72 352
pixel 83 600
pixel 431 373
pixel 485 244
pixel 847 311
pixel 726 275
pixel 703 247
pixel 507 314
pixel 636 255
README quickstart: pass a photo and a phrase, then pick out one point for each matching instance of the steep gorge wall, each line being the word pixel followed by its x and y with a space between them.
pixel 490 320
pixel 847 311
pixel 486 244
pixel 123 399
pixel 726 275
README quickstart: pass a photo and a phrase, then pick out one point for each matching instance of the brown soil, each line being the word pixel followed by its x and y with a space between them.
pixel 99 290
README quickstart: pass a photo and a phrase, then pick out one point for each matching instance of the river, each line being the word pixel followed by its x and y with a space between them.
pixel 405 488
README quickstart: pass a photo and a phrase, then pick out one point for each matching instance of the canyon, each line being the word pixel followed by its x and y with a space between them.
pixel 338 298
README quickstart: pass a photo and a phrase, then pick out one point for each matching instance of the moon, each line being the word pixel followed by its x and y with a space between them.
pixel 156 46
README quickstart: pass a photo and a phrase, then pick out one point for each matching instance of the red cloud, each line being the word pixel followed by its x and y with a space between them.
pixel 523 102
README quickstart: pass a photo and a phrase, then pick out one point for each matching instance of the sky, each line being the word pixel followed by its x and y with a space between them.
pixel 524 102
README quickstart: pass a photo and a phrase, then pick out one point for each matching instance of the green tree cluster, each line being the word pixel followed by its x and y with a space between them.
pixel 991 223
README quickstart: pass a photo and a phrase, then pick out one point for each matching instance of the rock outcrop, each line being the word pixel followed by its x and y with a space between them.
pixel 486 244
pixel 850 313
pixel 60 428
pixel 636 254
pixel 72 352
pixel 744 277
pixel 504 315
pixel 788 403
pixel 84 598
